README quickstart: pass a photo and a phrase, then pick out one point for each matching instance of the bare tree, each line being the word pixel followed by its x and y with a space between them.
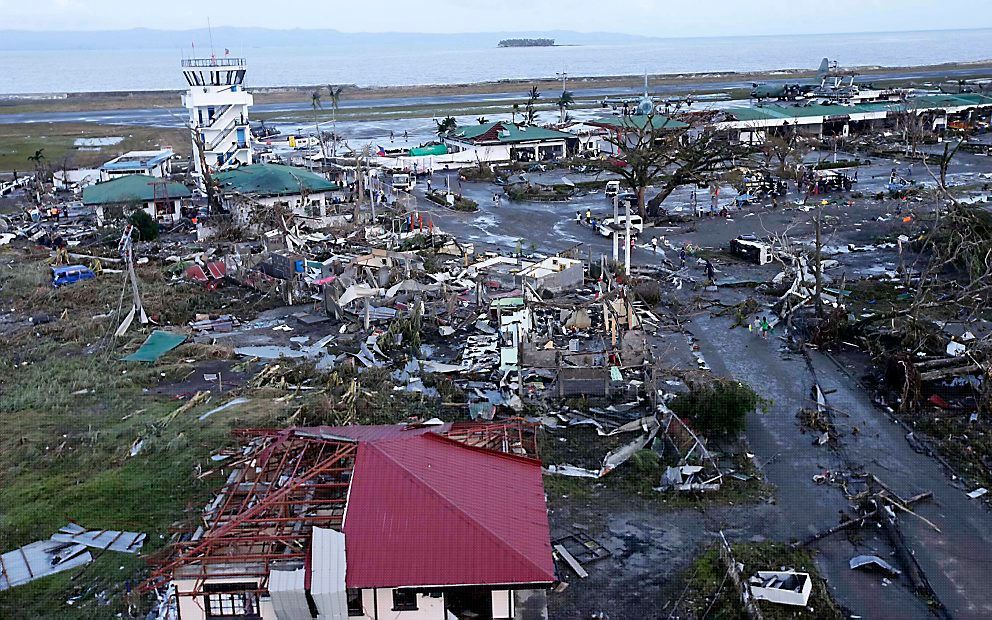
pixel 660 149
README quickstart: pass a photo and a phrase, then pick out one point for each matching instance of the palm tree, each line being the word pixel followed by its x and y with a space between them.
pixel 516 110
pixel 316 105
pixel 566 99
pixel 482 120
pixel 532 98
pixel 335 93
pixel 446 125
pixel 38 158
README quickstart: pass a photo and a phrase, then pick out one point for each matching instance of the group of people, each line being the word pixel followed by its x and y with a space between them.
pixel 760 325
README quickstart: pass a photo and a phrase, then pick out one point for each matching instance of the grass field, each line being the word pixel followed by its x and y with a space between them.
pixel 71 412
pixel 18 142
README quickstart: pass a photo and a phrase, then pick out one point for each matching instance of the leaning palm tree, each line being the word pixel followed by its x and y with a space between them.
pixel 564 101
pixel 335 92
pixel 316 105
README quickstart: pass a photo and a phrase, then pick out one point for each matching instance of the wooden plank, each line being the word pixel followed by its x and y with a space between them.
pixel 571 561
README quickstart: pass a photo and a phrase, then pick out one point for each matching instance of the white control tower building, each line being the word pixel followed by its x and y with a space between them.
pixel 218 111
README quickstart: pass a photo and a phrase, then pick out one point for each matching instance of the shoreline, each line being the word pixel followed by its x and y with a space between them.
pixel 78 101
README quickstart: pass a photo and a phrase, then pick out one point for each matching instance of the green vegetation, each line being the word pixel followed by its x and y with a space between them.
pixel 526 43
pixel 72 412
pixel 540 193
pixel 709 594
pixel 718 406
pixel 461 203
pixel 145 225
pixel 20 142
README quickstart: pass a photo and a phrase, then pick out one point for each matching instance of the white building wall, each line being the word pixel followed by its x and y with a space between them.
pixel 194 608
pixel 218 112
pixel 427 608
pixel 319 201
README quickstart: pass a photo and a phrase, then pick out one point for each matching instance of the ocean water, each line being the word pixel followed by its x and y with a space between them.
pixel 60 71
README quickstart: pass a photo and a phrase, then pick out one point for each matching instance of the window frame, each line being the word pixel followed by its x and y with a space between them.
pixel 355 611
pixel 408 605
pixel 230 599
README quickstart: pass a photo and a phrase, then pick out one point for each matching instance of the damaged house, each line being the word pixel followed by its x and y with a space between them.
pixel 256 186
pixel 440 522
pixel 121 196
pixel 501 141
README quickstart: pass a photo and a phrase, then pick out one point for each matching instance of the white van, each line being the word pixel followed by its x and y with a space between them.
pixel 636 225
pixel 612 188
pixel 404 181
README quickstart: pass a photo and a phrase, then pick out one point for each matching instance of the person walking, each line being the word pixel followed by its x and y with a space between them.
pixel 710 272
pixel 765 327
pixel 682 258
pixel 654 244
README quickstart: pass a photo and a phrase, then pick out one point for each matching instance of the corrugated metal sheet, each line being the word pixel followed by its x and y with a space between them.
pixel 124 542
pixel 327 580
pixel 374 433
pixel 289 597
pixel 429 511
pixel 40 559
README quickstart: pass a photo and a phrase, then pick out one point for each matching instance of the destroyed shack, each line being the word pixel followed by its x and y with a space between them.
pixel 554 274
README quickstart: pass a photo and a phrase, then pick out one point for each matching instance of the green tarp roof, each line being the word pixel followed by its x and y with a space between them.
pixel 506 133
pixel 639 122
pixel 778 111
pixel 434 149
pixel 157 345
pixel 132 188
pixel 272 180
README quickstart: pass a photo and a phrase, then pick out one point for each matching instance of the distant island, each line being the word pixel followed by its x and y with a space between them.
pixel 527 43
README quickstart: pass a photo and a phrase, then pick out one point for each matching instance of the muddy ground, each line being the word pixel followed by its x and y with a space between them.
pixel 653 545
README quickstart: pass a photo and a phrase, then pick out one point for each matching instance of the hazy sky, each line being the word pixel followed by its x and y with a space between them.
pixel 658 17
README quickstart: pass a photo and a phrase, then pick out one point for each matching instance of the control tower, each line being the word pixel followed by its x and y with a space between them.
pixel 218 112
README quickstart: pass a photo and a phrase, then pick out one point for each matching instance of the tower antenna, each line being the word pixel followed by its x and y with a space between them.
pixel 210 31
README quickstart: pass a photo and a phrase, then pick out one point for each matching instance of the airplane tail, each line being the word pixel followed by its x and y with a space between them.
pixel 824 67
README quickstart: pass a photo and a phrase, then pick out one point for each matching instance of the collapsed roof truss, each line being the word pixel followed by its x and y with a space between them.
pixel 282 487
pixel 285 483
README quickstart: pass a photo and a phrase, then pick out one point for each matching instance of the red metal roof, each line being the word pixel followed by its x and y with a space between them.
pixel 424 510
pixel 376 432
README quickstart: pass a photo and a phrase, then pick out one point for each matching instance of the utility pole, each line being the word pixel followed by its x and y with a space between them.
pixel 819 262
pixel 626 240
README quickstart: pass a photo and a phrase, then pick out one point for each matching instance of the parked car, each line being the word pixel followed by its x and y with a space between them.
pixel 71 274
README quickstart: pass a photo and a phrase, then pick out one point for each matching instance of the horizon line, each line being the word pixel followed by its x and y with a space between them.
pixel 495 32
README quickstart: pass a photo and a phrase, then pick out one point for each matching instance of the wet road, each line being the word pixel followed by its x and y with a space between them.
pixel 957 561
pixel 173 116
